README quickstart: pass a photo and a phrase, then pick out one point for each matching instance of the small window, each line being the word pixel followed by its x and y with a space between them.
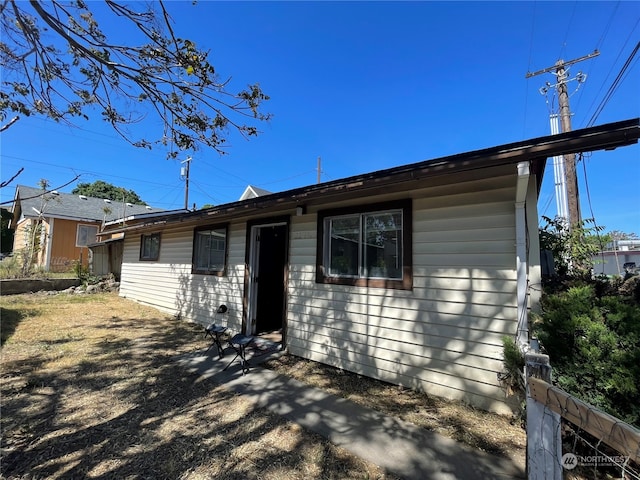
pixel 86 235
pixel 210 250
pixel 369 246
pixel 150 247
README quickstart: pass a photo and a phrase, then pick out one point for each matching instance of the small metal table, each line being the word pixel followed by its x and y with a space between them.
pixel 215 332
pixel 239 343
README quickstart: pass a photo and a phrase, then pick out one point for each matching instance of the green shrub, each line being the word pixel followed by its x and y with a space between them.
pixel 593 342
pixel 10 267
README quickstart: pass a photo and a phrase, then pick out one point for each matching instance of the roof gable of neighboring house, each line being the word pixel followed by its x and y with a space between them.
pixel 253 192
pixel 32 202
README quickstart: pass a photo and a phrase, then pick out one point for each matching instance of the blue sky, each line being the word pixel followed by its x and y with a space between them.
pixel 367 86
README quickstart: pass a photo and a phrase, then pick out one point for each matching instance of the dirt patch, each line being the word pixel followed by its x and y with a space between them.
pixel 90 389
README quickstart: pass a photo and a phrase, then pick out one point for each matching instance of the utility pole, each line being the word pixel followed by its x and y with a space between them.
pixel 184 173
pixel 319 170
pixel 560 70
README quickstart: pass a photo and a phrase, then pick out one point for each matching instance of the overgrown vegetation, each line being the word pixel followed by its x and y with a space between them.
pixel 592 335
pixel 589 326
pixel 512 376
pixel 572 248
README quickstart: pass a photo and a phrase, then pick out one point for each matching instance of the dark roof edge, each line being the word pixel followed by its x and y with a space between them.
pixel 602 137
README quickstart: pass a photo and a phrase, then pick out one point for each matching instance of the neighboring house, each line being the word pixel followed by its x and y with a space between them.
pixel 622 257
pixel 253 192
pixel 64 224
pixel 411 275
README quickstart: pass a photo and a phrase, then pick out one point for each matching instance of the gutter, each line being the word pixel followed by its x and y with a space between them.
pixel 522 332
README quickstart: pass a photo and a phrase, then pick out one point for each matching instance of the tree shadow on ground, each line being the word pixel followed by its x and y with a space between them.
pixel 117 406
pixel 9 321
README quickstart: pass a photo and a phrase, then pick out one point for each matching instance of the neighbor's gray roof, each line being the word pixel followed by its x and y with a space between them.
pixel 253 192
pixel 74 207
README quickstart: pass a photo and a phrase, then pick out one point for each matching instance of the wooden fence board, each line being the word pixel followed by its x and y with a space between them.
pixel 612 431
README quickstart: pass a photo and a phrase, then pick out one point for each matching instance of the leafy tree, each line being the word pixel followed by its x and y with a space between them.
pixel 58 61
pixel 100 189
pixel 572 248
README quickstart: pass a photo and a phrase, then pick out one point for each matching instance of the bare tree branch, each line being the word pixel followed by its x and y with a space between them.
pixel 82 72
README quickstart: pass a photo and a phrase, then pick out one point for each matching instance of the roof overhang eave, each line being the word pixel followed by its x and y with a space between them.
pixel 537 150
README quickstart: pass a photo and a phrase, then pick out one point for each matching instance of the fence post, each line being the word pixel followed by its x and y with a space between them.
pixel 544 439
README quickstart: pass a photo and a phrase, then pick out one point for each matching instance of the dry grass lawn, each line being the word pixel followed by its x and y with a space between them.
pixel 89 389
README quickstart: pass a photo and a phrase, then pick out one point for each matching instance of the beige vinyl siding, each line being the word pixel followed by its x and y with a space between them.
pixel 445 335
pixel 168 284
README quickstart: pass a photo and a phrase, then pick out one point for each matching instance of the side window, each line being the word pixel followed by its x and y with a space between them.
pixel 86 235
pixel 150 247
pixel 209 250
pixel 367 246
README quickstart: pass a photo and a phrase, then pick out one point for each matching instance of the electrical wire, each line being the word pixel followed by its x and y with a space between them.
pixel 614 86
pixel 614 62
pixel 593 215
pixel 607 27
pixel 566 35
pixel 526 84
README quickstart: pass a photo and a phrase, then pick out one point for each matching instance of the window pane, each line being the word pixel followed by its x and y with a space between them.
pixel 201 255
pixel 383 245
pixel 343 245
pixel 150 247
pixel 86 235
pixel 210 248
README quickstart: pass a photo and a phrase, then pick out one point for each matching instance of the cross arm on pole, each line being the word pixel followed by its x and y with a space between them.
pixel 561 64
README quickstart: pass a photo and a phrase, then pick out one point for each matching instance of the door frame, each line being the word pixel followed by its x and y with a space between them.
pixel 251 260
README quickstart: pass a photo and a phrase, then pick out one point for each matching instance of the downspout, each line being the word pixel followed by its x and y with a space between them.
pixel 522 333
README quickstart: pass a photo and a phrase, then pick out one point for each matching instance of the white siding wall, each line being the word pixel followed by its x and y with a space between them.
pixel 444 336
pixel 168 284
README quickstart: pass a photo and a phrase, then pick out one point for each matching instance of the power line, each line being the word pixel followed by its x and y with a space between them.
pixel 526 84
pixel 607 27
pixel 614 86
pixel 87 172
pixel 604 82
pixel 566 35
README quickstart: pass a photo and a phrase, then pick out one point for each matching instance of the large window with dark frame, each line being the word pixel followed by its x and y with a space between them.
pixel 366 246
pixel 210 250
pixel 150 247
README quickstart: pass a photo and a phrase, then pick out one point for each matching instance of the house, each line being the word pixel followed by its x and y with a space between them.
pixel 253 192
pixel 411 275
pixel 620 257
pixel 61 226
